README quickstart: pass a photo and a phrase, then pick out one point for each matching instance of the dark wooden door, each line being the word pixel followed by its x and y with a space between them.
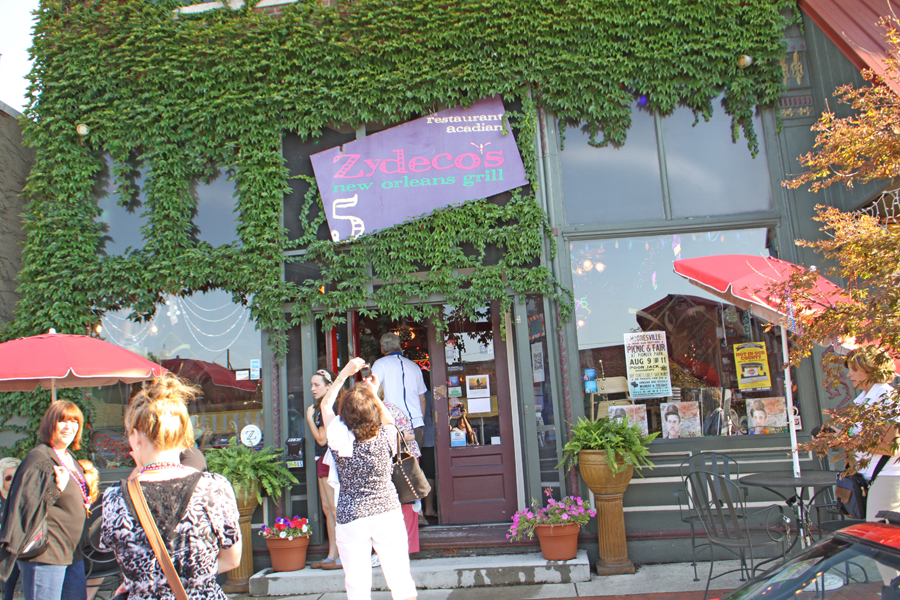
pixel 470 378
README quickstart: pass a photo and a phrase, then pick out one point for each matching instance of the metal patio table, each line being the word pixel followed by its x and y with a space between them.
pixel 774 481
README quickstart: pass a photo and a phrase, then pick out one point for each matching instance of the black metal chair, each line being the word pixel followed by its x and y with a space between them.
pixel 99 563
pixel 712 462
pixel 721 506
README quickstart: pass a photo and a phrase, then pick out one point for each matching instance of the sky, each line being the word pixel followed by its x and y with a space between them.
pixel 15 39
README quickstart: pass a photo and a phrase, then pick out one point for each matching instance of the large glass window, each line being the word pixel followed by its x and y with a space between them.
pixel 615 183
pixel 204 338
pixel 708 172
pixel 545 413
pixel 121 213
pixel 216 217
pixel 661 351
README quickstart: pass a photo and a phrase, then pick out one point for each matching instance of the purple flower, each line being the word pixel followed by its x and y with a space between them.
pixel 565 517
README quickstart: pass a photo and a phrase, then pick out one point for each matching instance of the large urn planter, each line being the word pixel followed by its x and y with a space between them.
pixel 558 542
pixel 239 578
pixel 608 488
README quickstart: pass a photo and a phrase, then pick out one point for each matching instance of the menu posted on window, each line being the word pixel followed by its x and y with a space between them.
pixel 752 365
pixel 647 360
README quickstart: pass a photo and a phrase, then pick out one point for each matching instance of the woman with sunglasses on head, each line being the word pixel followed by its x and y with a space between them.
pixel 320 383
pixel 48 488
pixel 8 466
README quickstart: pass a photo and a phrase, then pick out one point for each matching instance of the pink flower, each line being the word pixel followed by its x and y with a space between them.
pixel 564 517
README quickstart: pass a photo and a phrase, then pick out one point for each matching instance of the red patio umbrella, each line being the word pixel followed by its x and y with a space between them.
pixel 55 360
pixel 742 280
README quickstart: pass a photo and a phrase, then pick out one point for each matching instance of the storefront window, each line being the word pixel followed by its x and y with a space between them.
pixel 669 356
pixel 204 338
pixel 216 217
pixel 709 173
pixel 471 380
pixel 631 188
pixel 543 394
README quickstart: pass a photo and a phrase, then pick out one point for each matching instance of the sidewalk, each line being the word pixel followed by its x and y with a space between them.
pixel 674 581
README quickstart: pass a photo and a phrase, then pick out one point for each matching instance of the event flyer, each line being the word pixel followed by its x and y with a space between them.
pixel 752 365
pixel 647 360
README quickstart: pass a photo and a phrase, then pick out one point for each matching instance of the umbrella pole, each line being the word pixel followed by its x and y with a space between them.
pixel 788 391
pixel 52 390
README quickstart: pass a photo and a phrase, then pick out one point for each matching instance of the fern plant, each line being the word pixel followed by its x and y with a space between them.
pixel 245 467
pixel 624 444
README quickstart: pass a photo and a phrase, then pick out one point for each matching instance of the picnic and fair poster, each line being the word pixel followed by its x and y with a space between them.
pixel 752 365
pixel 389 177
pixel 647 364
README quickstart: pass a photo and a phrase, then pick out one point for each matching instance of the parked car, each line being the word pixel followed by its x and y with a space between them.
pixel 854 563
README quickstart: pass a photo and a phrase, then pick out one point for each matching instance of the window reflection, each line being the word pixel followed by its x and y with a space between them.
pixel 121 213
pixel 721 364
pixel 708 172
pixel 204 338
pixel 215 220
pixel 543 396
pixel 612 184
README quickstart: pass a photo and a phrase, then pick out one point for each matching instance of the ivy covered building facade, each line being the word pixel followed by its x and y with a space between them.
pixel 175 211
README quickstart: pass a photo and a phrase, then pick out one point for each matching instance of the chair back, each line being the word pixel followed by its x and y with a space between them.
pixel 719 502
pixel 98 563
pixel 712 462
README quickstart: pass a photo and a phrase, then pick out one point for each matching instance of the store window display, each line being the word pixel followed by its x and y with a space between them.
pixel 206 339
pixel 648 338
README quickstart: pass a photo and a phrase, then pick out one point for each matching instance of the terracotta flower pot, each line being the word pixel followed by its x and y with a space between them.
pixel 608 488
pixel 288 555
pixel 558 542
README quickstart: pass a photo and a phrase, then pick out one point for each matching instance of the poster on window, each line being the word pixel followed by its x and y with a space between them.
pixel 680 419
pixel 636 414
pixel 752 365
pixel 766 415
pixel 537 362
pixel 647 364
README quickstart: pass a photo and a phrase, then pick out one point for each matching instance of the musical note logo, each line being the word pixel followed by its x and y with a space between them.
pixel 357 226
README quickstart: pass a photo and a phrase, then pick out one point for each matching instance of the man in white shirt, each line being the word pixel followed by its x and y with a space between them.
pixel 402 382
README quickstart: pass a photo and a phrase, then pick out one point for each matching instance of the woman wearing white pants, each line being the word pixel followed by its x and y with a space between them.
pixel 362 440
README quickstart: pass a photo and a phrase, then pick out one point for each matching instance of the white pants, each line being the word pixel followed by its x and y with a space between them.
pixel 884 494
pixel 387 533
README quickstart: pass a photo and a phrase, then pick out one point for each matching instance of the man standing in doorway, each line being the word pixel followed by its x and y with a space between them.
pixel 402 382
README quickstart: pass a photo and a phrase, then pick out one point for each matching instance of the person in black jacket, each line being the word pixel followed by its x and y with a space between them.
pixel 49 494
pixel 8 466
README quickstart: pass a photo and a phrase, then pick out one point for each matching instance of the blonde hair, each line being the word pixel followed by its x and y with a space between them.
pixel 91 478
pixel 159 411
pixel 874 362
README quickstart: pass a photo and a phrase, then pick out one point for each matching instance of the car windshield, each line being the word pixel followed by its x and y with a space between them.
pixel 833 569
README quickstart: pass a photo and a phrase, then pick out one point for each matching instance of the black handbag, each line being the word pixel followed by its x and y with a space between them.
pixel 408 477
pixel 37 542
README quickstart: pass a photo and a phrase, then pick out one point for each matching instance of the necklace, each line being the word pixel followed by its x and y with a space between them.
pixel 69 464
pixel 160 466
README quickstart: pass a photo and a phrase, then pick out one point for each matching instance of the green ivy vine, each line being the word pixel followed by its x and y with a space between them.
pixel 189 93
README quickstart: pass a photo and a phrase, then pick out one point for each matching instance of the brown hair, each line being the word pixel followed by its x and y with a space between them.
pixel 159 411
pixel 360 412
pixel 59 411
pixel 327 377
pixel 874 362
pixel 758 406
pixel 91 478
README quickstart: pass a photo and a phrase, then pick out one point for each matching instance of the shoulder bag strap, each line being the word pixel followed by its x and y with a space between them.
pixel 159 549
pixel 881 463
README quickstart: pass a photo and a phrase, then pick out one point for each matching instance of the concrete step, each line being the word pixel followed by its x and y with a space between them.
pixel 435 573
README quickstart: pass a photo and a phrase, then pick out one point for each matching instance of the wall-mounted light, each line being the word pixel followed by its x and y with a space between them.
pixel 82 129
pixel 745 60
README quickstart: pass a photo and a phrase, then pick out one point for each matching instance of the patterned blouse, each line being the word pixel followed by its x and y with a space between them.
pixel 194 526
pixel 366 486
pixel 405 426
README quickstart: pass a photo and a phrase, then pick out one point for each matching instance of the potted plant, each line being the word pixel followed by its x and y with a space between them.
pixel 252 474
pixel 606 452
pixel 287 541
pixel 556 525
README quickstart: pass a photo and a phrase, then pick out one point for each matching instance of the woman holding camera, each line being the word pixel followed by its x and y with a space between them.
pixel 362 441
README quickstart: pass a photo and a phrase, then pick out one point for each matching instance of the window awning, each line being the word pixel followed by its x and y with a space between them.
pixel 853 26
